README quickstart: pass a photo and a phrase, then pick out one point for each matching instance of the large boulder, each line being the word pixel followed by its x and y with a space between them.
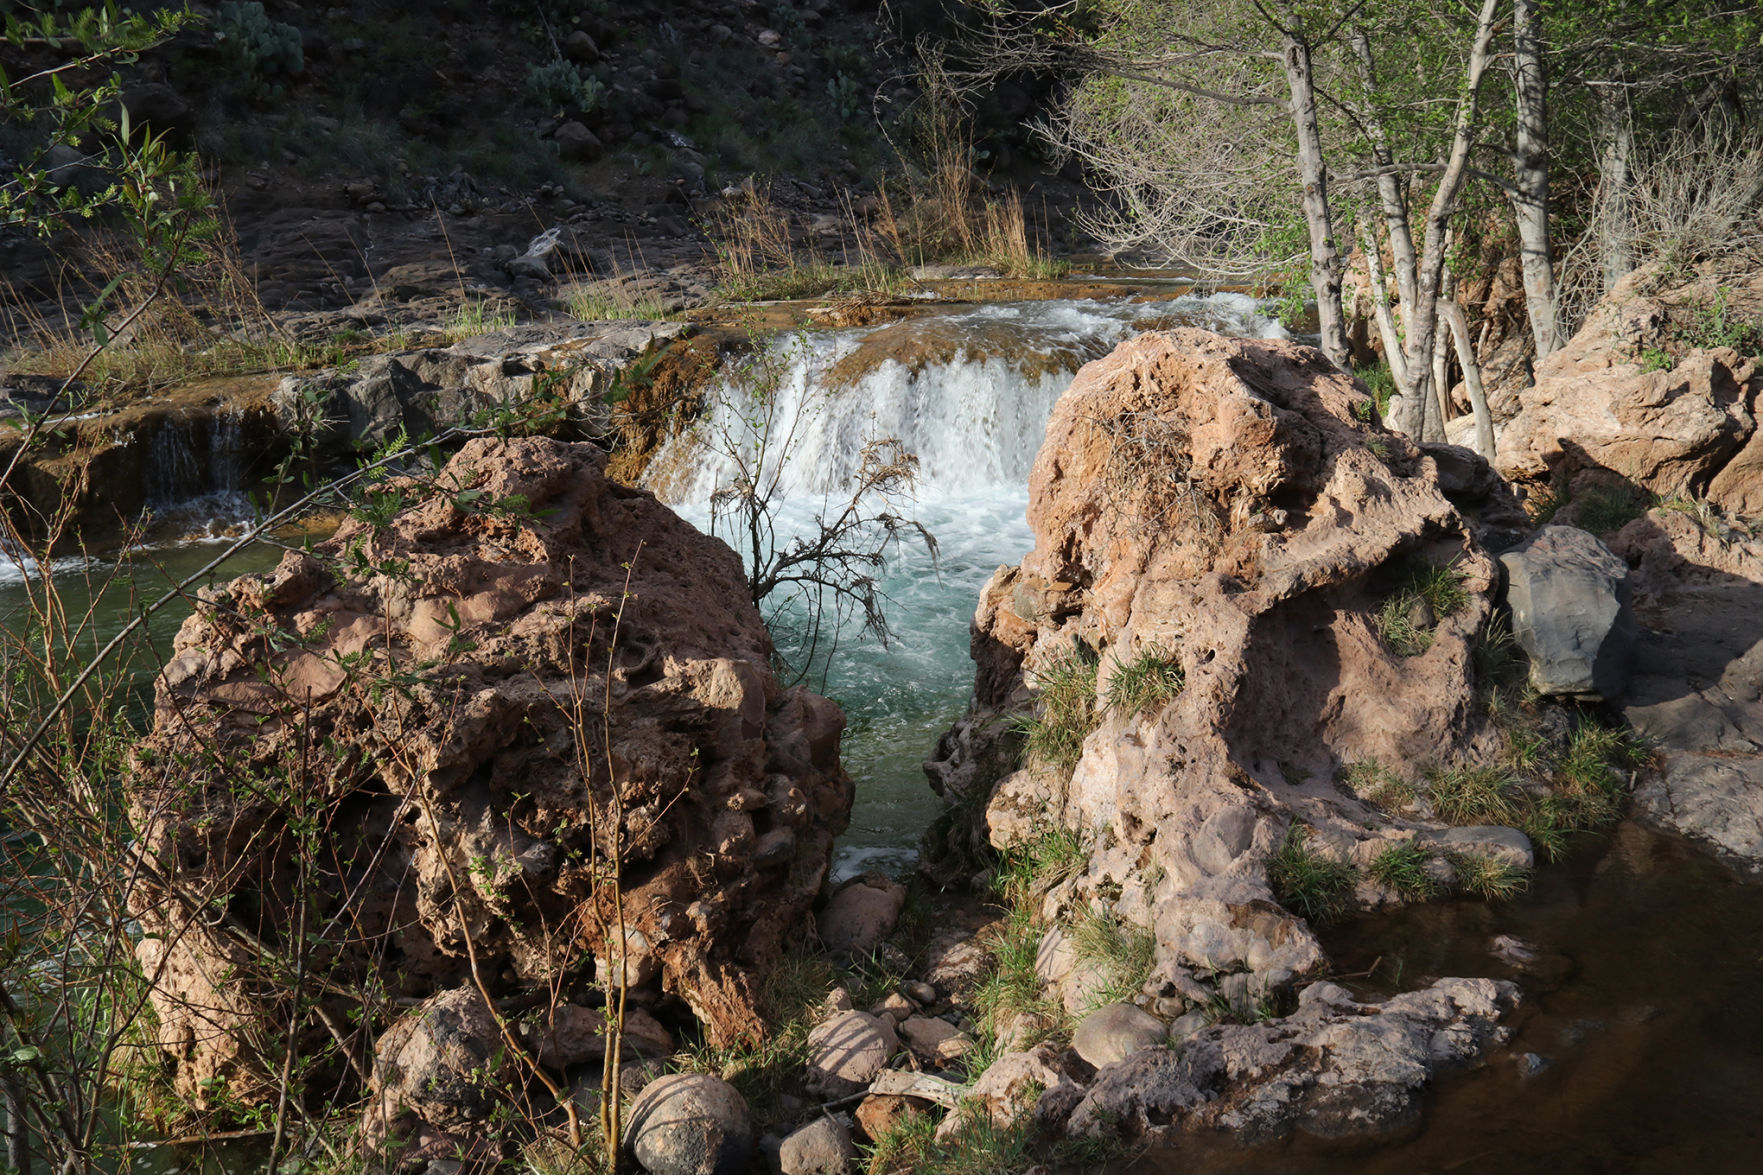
pixel 439 1072
pixel 1222 505
pixel 439 729
pixel 1642 395
pixel 1570 613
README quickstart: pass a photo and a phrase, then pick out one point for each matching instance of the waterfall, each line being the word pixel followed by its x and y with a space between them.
pixel 969 393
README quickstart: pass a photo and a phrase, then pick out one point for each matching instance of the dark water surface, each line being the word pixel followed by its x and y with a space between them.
pixel 1647 1005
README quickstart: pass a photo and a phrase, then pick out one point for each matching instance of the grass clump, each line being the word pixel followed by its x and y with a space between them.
pixel 1475 795
pixel 1122 952
pixel 1489 878
pixel 1427 594
pixel 1603 509
pixel 1065 711
pixel 1378 785
pixel 474 317
pixel 1149 681
pixel 1307 882
pixel 1403 868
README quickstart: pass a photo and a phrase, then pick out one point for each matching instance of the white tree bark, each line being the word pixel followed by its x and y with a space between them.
pixel 1530 157
pixel 1478 399
pixel 1325 255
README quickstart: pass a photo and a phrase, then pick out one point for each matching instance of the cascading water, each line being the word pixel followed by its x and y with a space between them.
pixel 969 394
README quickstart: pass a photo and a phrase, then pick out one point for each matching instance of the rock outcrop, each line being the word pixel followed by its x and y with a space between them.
pixel 425 391
pixel 427 741
pixel 1697 692
pixel 1646 393
pixel 1220 504
pixel 1334 1067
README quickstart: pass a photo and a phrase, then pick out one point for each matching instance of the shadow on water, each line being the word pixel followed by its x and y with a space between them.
pixel 1645 1007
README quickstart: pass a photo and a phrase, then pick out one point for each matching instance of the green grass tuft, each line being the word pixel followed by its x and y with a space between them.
pixel 1439 588
pixel 1489 879
pixel 1306 882
pixel 1122 952
pixel 1378 785
pixel 1150 681
pixel 1604 509
pixel 1403 869
pixel 1474 795
pixel 1065 712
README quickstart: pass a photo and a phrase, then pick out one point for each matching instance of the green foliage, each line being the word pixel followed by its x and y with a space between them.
pixel 1031 868
pixel 559 85
pixel 1307 882
pixel 1656 359
pixel 259 50
pixel 846 97
pixel 1150 681
pixel 1474 795
pixel 1403 623
pixel 1065 710
pixel 1718 324
pixel 1403 868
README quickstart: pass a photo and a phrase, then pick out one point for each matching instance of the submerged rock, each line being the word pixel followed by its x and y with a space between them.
pixel 435 685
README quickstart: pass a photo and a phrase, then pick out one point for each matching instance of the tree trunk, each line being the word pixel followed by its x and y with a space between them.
pixel 1422 318
pixel 1325 254
pixel 1615 220
pixel 1478 399
pixel 1530 203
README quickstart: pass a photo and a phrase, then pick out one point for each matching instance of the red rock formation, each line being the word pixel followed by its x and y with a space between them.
pixel 1221 500
pixel 378 747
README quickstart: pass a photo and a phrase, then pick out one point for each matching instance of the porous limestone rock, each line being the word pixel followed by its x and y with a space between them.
pixel 419 675
pixel 689 1124
pixel 1333 1068
pixel 1596 412
pixel 1008 1087
pixel 1221 503
pixel 1570 613
pixel 443 1066
pixel 428 390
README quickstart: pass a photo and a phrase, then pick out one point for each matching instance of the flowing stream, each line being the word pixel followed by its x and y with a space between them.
pixel 969 394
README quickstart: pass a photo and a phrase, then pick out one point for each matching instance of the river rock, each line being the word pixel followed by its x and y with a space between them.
pixel 935 1041
pixel 1697 692
pixel 1115 1032
pixel 1333 1068
pixel 689 1124
pixel 822 1147
pixel 1221 503
pixel 1593 411
pixel 847 1051
pixel 880 1114
pixel 860 915
pixel 1509 846
pixel 458 804
pixel 1570 613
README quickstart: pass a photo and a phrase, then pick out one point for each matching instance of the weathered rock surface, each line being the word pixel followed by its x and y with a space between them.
pixel 823 1147
pixel 434 659
pixel 689 1124
pixel 1594 412
pixel 934 1041
pixel 1218 502
pixel 1698 685
pixel 1009 1086
pixel 424 392
pixel 1335 1067
pixel 443 1066
pixel 1115 1032
pixel 1570 613
pixel 846 1051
